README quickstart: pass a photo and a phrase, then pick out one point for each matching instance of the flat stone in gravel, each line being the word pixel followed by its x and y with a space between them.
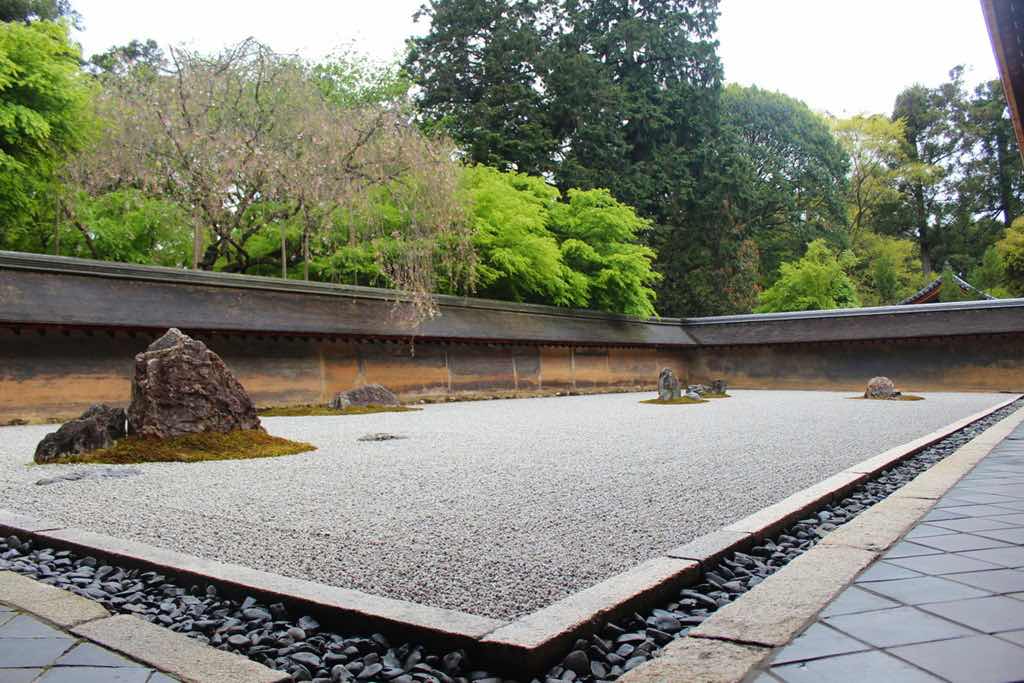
pixel 495 508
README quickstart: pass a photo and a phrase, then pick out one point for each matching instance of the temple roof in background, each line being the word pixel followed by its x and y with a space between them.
pixel 929 294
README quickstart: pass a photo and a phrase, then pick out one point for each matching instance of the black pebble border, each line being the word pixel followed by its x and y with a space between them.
pixel 275 637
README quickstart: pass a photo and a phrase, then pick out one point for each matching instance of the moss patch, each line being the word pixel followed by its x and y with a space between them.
pixel 237 445
pixel 308 410
pixel 681 401
pixel 710 395
pixel 902 397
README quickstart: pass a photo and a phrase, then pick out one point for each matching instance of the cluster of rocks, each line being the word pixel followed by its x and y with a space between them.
pixel 274 636
pixel 881 388
pixel 367 395
pixel 669 388
pixel 179 386
pixel 717 387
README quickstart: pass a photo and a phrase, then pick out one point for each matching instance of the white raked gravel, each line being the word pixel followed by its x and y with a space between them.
pixel 496 507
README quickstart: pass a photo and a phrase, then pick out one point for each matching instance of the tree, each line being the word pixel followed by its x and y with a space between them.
pixel 818 281
pixel 120 59
pixel 128 227
pixel 990 274
pixel 601 93
pixel 27 11
pixel 933 135
pixel 992 178
pixel 886 269
pixel 875 146
pixel 709 263
pixel 597 237
pixel 798 172
pixel 45 116
pixel 532 246
pixel 481 76
pixel 635 94
pixel 1011 250
pixel 518 256
pixel 349 80
pixel 247 141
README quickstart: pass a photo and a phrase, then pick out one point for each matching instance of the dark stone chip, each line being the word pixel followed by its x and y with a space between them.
pixel 577 661
pixel 370 671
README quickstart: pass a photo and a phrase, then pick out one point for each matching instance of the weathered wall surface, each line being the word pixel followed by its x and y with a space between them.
pixel 955 363
pixel 69 329
pixel 55 374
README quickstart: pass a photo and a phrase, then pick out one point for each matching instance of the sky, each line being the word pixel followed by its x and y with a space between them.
pixel 839 56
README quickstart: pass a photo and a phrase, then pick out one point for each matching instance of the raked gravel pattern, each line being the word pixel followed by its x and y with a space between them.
pixel 495 508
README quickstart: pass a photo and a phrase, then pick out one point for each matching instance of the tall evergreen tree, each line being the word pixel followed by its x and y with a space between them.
pixel 616 94
pixel 482 75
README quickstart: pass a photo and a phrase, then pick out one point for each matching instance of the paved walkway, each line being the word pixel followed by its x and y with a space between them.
pixel 32 650
pixel 944 604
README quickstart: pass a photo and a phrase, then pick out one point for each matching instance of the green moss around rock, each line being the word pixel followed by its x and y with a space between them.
pixel 238 445
pixel 710 395
pixel 311 410
pixel 681 401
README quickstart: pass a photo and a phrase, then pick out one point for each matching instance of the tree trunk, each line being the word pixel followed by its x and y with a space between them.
pixel 305 254
pixel 926 259
pixel 284 254
pixel 197 246
pixel 1003 178
pixel 56 230
pixel 922 230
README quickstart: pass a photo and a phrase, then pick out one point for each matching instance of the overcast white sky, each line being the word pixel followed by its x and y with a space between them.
pixel 838 56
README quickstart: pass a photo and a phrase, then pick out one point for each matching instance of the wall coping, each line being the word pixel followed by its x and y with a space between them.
pixel 207 301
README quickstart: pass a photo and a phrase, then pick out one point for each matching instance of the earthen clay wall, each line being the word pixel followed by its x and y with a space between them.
pixel 57 374
pixel 69 329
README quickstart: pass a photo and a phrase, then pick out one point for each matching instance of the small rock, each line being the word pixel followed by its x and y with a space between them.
pixel 577 661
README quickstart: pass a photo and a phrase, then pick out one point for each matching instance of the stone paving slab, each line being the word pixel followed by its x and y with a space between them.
pixel 53 636
pixel 33 650
pixel 944 604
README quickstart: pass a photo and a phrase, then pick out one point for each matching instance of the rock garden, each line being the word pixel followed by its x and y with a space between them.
pixel 672 392
pixel 297 643
pixel 884 389
pixel 186 406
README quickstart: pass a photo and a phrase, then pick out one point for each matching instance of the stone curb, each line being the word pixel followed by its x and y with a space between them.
pixel 775 611
pixel 532 641
pixel 702 661
pixel 526 644
pixel 177 654
pixel 56 605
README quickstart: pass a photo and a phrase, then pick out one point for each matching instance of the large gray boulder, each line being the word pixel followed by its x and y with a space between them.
pixel 881 388
pixel 182 387
pixel 718 386
pixel 98 427
pixel 367 395
pixel 668 385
